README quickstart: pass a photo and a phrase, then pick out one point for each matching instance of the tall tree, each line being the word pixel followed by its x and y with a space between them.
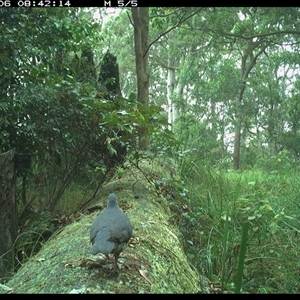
pixel 253 35
pixel 218 57
pixel 140 16
pixel 248 61
pixel 171 80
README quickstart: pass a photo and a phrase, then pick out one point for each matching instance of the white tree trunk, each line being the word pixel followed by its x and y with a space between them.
pixel 172 90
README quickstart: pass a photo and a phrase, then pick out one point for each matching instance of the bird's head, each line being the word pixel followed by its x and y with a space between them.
pixel 112 201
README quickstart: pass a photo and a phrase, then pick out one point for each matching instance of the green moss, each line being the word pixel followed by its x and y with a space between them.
pixel 61 265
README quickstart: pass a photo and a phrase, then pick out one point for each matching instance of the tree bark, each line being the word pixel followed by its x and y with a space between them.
pixel 8 212
pixel 140 16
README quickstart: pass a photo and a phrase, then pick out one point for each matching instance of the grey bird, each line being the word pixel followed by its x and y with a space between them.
pixel 110 231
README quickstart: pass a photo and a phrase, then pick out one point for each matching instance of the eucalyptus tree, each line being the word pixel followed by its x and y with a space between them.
pixel 267 100
pixel 167 25
pixel 163 23
pixel 257 30
pixel 140 17
pixel 245 34
pixel 202 74
pixel 204 60
pixel 290 137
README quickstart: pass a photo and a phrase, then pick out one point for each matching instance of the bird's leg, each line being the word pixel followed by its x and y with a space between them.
pixel 116 263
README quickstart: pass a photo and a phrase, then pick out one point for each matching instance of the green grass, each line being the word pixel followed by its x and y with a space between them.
pixel 214 206
pixel 221 202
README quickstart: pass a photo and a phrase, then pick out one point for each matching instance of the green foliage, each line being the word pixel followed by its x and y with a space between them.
pixel 280 163
pixel 214 208
pixel 197 139
pixel 54 106
pixel 249 156
pixel 207 52
pixel 242 255
pixel 80 137
pixel 38 228
pixel 291 141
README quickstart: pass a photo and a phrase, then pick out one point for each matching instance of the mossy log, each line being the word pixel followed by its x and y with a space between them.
pixel 154 262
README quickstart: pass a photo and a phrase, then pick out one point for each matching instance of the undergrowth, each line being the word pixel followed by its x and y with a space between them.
pixel 239 228
pixel 220 204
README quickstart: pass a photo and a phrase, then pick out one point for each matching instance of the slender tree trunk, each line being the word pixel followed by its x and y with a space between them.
pixel 238 128
pixel 273 127
pixel 171 90
pixel 214 120
pixel 180 105
pixel 140 16
pixel 245 70
pixel 8 212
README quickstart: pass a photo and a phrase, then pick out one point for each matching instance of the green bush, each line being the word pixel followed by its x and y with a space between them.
pixel 282 162
pixel 214 209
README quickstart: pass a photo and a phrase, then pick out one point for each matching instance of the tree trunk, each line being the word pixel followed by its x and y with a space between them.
pixel 8 212
pixel 171 90
pixel 245 70
pixel 272 128
pixel 182 105
pixel 237 142
pixel 140 16
pixel 214 120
